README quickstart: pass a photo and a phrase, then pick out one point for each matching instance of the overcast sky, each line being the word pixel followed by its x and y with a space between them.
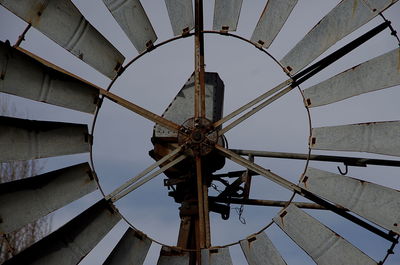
pixel 122 139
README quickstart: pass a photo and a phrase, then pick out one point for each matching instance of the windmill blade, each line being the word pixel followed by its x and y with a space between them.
pixel 378 204
pixel 26 200
pixel 26 139
pixel 323 245
pixel 345 18
pixel 131 249
pixel 259 250
pixel 170 256
pixel 73 241
pixel 24 76
pixel 216 256
pixel 226 14
pixel 378 73
pixel 377 137
pixel 62 22
pixel 272 20
pixel 180 14
pixel 134 21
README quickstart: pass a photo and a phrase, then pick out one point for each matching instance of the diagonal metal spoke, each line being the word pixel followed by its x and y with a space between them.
pixel 141 182
pixel 139 110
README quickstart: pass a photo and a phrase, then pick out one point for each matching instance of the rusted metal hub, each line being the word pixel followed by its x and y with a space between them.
pixel 198 135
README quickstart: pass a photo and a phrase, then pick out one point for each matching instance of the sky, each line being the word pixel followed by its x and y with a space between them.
pixel 122 138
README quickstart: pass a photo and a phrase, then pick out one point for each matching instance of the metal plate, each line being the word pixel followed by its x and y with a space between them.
pixel 134 21
pixel 170 256
pixel 272 20
pixel 73 241
pixel 226 14
pixel 180 14
pixel 25 77
pixel 378 73
pixel 259 250
pixel 26 139
pixel 26 200
pixel 217 256
pixel 131 249
pixel 323 245
pixel 345 18
pixel 376 137
pixel 375 203
pixel 62 22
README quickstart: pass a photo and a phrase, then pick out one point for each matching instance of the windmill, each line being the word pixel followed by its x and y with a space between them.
pixel 189 146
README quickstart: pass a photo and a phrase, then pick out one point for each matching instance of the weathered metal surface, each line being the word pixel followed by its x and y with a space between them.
pixel 131 249
pixel 216 256
pixel 62 22
pixel 26 139
pixel 134 21
pixel 226 14
pixel 73 241
pixel 378 204
pixel 23 76
pixel 272 20
pixel 26 200
pixel 181 108
pixel 170 256
pixel 345 18
pixel 259 250
pixel 180 14
pixel 379 137
pixel 378 73
pixel 323 245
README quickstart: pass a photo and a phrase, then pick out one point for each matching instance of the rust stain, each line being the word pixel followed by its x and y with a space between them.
pixel 355 5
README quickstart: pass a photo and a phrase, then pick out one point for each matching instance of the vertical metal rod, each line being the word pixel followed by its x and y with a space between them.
pixel 200 203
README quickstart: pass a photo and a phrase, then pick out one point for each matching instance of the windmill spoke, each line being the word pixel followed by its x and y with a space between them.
pixel 143 181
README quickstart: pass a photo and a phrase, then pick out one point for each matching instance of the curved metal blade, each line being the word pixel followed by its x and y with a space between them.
pixel 24 76
pixel 226 14
pixel 26 200
pixel 323 245
pixel 216 256
pixel 378 204
pixel 375 137
pixel 272 20
pixel 259 250
pixel 134 21
pixel 62 22
pixel 170 256
pixel 378 73
pixel 131 249
pixel 180 14
pixel 26 139
pixel 73 241
pixel 345 18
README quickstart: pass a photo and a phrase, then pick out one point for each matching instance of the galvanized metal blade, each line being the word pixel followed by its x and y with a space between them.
pixel 377 137
pixel 272 20
pixel 345 18
pixel 226 14
pixel 26 200
pixel 26 139
pixel 216 256
pixel 62 22
pixel 171 256
pixel 24 76
pixel 323 245
pixel 73 241
pixel 180 14
pixel 378 73
pixel 134 21
pixel 378 204
pixel 259 250
pixel 131 249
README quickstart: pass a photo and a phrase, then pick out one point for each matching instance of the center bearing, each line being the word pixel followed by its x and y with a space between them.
pixel 198 135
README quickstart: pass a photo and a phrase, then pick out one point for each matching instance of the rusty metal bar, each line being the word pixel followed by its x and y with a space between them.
pixel 21 38
pixel 199 61
pixel 351 161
